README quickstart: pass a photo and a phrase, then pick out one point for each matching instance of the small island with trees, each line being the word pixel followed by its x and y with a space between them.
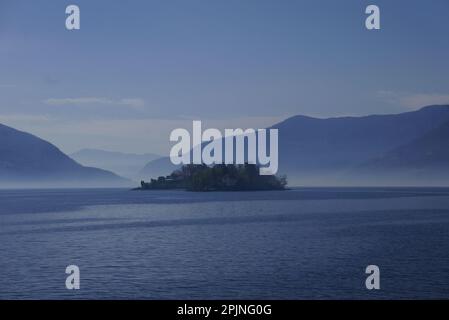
pixel 219 177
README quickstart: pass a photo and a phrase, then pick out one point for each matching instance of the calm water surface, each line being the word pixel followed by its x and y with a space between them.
pixel 297 244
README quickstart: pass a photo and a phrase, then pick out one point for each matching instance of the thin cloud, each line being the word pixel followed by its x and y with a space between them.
pixel 421 100
pixel 135 103
pixel 414 100
pixel 24 118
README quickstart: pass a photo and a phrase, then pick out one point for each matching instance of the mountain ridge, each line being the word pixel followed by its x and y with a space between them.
pixel 122 163
pixel 323 151
pixel 27 160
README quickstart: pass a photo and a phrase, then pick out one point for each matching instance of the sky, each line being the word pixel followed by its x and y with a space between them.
pixel 138 69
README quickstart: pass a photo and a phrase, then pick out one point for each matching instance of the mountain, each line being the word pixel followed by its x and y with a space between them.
pixel 423 159
pixel 323 151
pixel 430 150
pixel 28 161
pixel 157 168
pixel 332 151
pixel 124 164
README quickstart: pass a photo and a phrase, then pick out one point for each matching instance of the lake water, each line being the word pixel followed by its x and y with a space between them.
pixel 296 244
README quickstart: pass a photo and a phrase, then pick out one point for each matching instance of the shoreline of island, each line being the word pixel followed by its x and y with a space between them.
pixel 219 177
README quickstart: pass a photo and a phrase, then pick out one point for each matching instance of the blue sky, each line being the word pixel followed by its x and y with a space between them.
pixel 138 69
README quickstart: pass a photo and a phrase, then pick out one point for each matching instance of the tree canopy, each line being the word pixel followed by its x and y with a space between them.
pixel 220 177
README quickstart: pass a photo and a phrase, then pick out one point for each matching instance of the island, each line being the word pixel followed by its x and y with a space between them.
pixel 219 177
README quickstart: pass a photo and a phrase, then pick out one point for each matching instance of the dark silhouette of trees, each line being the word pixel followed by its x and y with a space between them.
pixel 219 177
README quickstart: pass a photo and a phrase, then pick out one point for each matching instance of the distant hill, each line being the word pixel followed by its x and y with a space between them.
pixel 28 161
pixel 125 164
pixel 321 149
pixel 156 168
pixel 425 158
pixel 331 151
pixel 429 150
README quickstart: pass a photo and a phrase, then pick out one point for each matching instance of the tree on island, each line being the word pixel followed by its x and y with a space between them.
pixel 220 177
